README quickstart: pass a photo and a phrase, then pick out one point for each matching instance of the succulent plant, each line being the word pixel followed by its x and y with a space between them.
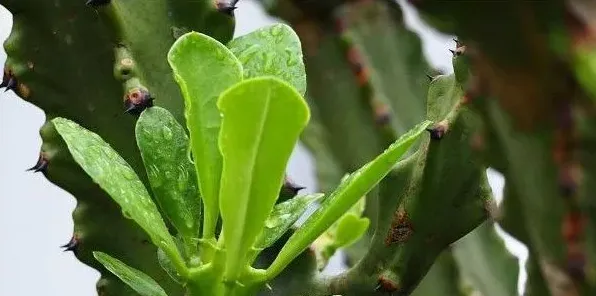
pixel 520 101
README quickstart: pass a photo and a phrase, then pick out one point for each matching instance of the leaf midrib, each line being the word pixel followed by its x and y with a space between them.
pixel 254 157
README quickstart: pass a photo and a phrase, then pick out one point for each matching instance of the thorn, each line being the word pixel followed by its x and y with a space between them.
pixel 383 118
pixel 289 188
pixel 71 245
pixel 11 84
pixel 97 3
pixel 268 286
pixel 576 265
pixel 385 284
pixel 567 183
pixel 435 134
pixel 430 78
pixel 439 131
pixel 452 52
pixel 226 7
pixel 5 79
pixel 137 100
pixel 382 114
pixel 41 165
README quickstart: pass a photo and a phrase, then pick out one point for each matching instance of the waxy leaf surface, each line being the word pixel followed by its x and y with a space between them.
pixel 137 280
pixel 283 216
pixel 164 144
pixel 118 179
pixel 204 68
pixel 272 51
pixel 262 120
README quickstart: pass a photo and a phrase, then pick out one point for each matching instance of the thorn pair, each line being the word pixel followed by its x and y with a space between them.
pixel 9 81
pixel 226 7
pixel 71 245
pixel 137 100
pixel 41 165
pixel 458 51
pixel 438 131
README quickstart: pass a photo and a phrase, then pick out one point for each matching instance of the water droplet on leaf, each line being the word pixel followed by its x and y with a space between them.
pixel 167 133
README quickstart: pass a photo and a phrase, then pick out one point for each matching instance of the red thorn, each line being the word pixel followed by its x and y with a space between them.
pixel 137 100
pixel 386 285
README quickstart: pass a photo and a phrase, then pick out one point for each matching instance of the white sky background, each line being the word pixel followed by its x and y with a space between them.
pixel 35 216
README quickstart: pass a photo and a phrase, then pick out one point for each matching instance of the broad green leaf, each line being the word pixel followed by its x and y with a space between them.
pixel 204 68
pixel 283 216
pixel 262 119
pixel 164 144
pixel 137 280
pixel 343 198
pixel 272 51
pixel 118 179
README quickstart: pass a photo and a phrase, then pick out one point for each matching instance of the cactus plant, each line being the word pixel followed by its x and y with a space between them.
pixel 520 100
pixel 239 160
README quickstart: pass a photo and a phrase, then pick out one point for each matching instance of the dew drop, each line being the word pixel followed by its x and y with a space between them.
pixel 129 174
pixel 220 55
pixel 264 33
pixel 276 31
pixel 249 53
pixel 189 224
pixel 275 221
pixel 154 175
pixel 292 59
pixel 182 179
pixel 268 60
pixel 189 154
pixel 126 215
pixel 167 133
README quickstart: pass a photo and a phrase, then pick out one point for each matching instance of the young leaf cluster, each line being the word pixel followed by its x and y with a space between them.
pixel 244 111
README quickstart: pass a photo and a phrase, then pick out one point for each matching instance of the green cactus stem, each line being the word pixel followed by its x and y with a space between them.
pixel 91 62
pixel 532 106
pixel 393 92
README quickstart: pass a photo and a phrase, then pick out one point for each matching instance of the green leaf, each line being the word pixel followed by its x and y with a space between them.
pixel 204 68
pixel 262 119
pixel 283 216
pixel 349 229
pixel 137 280
pixel 272 51
pixel 118 179
pixel 163 144
pixel 343 198
pixel 166 264
pixel 345 231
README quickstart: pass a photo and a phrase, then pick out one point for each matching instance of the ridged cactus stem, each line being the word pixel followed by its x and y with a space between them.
pixel 393 94
pixel 530 98
pixel 92 62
